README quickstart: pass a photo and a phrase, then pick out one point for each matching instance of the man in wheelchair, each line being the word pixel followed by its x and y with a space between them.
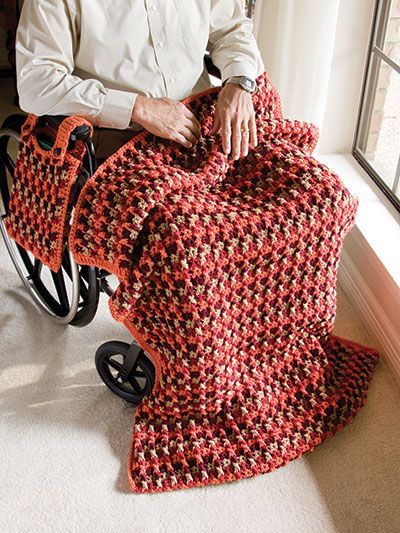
pixel 229 289
pixel 124 69
pixel 126 66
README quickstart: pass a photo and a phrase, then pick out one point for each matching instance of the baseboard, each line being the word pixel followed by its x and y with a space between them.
pixel 379 316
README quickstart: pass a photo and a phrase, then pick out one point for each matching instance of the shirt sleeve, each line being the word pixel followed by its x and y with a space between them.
pixel 47 36
pixel 232 45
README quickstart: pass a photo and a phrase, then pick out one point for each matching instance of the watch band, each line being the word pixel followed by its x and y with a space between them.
pixel 248 84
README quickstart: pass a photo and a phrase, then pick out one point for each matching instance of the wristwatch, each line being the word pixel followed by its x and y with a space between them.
pixel 248 84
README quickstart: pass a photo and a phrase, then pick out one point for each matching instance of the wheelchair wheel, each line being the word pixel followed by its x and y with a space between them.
pixel 138 381
pixel 69 296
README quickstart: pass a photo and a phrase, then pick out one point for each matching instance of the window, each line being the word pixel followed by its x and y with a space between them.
pixel 377 141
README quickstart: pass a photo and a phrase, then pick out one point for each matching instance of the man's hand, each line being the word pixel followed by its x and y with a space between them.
pixel 235 119
pixel 167 118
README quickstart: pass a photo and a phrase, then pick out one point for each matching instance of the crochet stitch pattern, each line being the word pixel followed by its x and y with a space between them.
pixel 227 275
pixel 39 208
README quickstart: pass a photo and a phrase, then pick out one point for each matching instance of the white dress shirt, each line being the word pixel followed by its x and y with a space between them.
pixel 93 58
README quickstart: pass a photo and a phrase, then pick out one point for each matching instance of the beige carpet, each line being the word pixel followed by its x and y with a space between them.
pixel 64 443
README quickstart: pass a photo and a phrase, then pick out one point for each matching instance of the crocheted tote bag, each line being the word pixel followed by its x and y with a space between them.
pixel 40 207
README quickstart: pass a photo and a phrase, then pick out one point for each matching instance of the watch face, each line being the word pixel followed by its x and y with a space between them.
pixel 249 84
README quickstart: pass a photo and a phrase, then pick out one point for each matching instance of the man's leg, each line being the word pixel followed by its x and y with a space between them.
pixel 107 141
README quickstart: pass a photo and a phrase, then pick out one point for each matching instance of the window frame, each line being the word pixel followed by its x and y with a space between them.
pixel 375 57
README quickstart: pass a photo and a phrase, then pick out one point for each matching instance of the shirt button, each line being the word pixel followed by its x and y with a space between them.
pixel 153 8
pixel 172 80
pixel 160 44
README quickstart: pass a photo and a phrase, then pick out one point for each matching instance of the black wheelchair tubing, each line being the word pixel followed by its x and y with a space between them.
pixel 14 122
pixel 86 314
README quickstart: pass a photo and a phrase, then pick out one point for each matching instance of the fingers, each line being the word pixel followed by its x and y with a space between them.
pixel 244 142
pixel 191 116
pixel 235 119
pixel 189 135
pixel 188 130
pixel 216 125
pixel 185 136
pixel 253 131
pixel 194 128
pixel 236 124
pixel 236 140
pixel 226 132
pixel 181 139
pixel 191 122
pixel 236 135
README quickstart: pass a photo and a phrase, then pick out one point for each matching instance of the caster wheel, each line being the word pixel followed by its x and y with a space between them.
pixel 126 370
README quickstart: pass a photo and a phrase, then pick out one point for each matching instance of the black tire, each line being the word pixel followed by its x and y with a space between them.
pixel 134 391
pixel 57 304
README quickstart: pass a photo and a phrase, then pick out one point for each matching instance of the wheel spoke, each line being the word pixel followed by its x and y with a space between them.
pixel 40 287
pixel 9 164
pixel 37 270
pixel 140 379
pixel 135 384
pixel 84 288
pixel 26 259
pixel 50 292
pixel 105 287
pixel 66 263
pixel 59 284
pixel 103 274
pixel 85 273
pixel 114 364
pixel 4 187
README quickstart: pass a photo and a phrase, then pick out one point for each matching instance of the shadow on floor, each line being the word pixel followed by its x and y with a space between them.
pixel 51 380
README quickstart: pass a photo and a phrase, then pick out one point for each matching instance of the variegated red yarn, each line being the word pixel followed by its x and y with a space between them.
pixel 40 207
pixel 228 280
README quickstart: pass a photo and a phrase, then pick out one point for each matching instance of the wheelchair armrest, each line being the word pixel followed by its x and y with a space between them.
pixel 83 133
pixel 79 133
pixel 212 69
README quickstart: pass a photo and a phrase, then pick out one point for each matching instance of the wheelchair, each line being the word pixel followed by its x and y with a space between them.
pixel 71 295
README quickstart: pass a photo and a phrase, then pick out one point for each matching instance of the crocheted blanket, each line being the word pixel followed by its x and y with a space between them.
pixel 227 276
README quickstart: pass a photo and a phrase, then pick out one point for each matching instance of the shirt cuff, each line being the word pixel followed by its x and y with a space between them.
pixel 117 109
pixel 240 67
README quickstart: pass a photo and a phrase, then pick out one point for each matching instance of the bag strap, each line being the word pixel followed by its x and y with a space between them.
pixel 64 131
